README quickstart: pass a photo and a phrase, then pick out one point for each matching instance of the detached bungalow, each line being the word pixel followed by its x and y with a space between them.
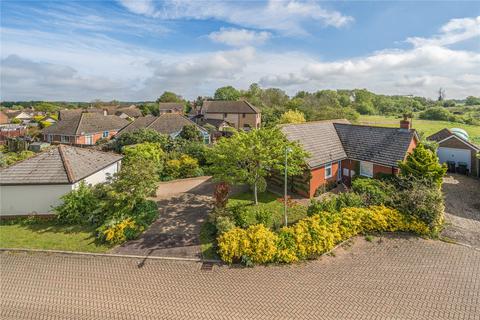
pixel 339 151
pixel 167 123
pixel 36 184
pixel 84 129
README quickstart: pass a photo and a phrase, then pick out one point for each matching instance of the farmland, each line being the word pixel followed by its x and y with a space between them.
pixel 427 127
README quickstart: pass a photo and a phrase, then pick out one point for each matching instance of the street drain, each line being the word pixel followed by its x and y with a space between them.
pixel 207 266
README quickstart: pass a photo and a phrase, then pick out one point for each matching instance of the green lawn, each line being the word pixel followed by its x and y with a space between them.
pixel 31 234
pixel 426 126
pixel 269 201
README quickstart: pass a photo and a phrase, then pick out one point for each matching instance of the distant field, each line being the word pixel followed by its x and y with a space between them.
pixel 426 126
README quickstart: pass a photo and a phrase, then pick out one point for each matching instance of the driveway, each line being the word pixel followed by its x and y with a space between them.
pixel 388 278
pixel 462 209
pixel 183 207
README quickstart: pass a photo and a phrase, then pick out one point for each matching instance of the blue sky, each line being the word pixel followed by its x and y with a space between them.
pixel 136 49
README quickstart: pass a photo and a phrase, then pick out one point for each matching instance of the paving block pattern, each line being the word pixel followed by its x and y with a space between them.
pixel 388 278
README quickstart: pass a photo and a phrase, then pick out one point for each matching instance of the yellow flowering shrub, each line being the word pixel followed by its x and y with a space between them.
pixel 312 236
pixel 120 232
pixel 262 242
pixel 232 244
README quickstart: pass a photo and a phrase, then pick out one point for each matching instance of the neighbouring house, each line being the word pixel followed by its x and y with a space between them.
pixel 22 116
pixel 11 131
pixel 170 107
pixel 168 123
pixel 35 185
pixel 340 150
pixel 86 128
pixel 3 117
pixel 455 149
pixel 68 114
pixel 129 113
pixel 240 114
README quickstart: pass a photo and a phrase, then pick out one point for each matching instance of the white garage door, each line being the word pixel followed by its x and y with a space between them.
pixel 452 154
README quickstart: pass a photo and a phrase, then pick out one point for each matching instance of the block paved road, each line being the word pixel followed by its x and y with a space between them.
pixel 389 278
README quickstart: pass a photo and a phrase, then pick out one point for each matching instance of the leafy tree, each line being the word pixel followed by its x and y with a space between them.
pixel 78 206
pixel 227 93
pixel 191 133
pixel 423 163
pixel 47 107
pixel 250 157
pixel 436 113
pixel 169 96
pixel 472 101
pixel 139 136
pixel 148 150
pixel 292 116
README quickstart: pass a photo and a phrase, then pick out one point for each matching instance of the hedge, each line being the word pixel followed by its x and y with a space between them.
pixel 311 236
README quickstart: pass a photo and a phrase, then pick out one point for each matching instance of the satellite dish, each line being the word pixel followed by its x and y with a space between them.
pixel 460 133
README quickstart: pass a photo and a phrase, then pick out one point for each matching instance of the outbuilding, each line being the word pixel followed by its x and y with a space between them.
pixel 35 185
pixel 455 149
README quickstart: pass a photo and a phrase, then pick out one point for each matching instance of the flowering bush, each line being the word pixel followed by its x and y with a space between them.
pixel 312 236
pixel 118 232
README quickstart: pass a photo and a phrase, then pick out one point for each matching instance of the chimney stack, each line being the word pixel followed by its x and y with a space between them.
pixel 405 123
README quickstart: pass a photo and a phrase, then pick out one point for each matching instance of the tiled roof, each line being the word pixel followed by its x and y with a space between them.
pixel 69 114
pixel 228 107
pixel 440 135
pixel 167 123
pixel 58 165
pixel 132 112
pixel 170 106
pixel 380 145
pixel 85 123
pixel 319 139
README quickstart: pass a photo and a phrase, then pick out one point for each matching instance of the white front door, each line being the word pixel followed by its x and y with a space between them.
pixel 339 171
pixel 88 140
pixel 456 155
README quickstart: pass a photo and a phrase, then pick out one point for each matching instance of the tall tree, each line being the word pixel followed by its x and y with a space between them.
pixel 292 116
pixel 169 96
pixel 227 93
pixel 250 157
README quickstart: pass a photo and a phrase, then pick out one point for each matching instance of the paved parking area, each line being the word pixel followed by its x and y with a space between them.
pixel 462 209
pixel 388 278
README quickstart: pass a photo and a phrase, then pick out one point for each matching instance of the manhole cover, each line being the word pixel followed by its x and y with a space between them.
pixel 207 266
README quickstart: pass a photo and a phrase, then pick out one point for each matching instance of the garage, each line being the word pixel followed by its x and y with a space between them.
pixel 455 155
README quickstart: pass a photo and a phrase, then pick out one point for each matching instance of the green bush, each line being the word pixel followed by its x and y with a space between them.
pixel 373 191
pixel 78 206
pixel 245 216
pixel 335 203
pixel 224 224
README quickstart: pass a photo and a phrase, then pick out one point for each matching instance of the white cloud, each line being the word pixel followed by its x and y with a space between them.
pixel 145 7
pixel 53 66
pixel 239 37
pixel 456 30
pixel 286 16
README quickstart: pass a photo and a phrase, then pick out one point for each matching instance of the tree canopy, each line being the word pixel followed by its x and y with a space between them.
pixel 250 157
pixel 423 164
pixel 169 96
pixel 227 93
pixel 292 116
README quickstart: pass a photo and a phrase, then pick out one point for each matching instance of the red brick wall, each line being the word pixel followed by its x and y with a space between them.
pixel 318 177
pixel 81 140
pixel 379 169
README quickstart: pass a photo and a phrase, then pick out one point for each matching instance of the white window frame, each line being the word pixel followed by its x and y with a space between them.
pixel 107 133
pixel 64 139
pixel 362 169
pixel 328 166
pixel 89 137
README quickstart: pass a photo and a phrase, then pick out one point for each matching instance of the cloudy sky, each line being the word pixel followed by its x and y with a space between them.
pixel 136 49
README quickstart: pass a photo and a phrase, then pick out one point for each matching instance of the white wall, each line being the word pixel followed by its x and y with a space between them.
pixel 39 199
pixel 27 199
pixel 101 176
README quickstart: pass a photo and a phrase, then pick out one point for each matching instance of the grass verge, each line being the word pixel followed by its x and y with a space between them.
pixel 27 233
pixel 208 241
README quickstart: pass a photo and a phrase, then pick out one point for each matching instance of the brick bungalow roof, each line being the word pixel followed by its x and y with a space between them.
pixel 335 140
pixel 167 123
pixel 319 139
pixel 85 123
pixel 380 145
pixel 229 107
pixel 69 114
pixel 132 112
pixel 58 165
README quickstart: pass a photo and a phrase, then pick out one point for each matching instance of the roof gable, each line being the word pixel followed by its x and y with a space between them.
pixel 440 135
pixel 58 165
pixel 386 146
pixel 319 139
pixel 225 106
pixel 167 123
